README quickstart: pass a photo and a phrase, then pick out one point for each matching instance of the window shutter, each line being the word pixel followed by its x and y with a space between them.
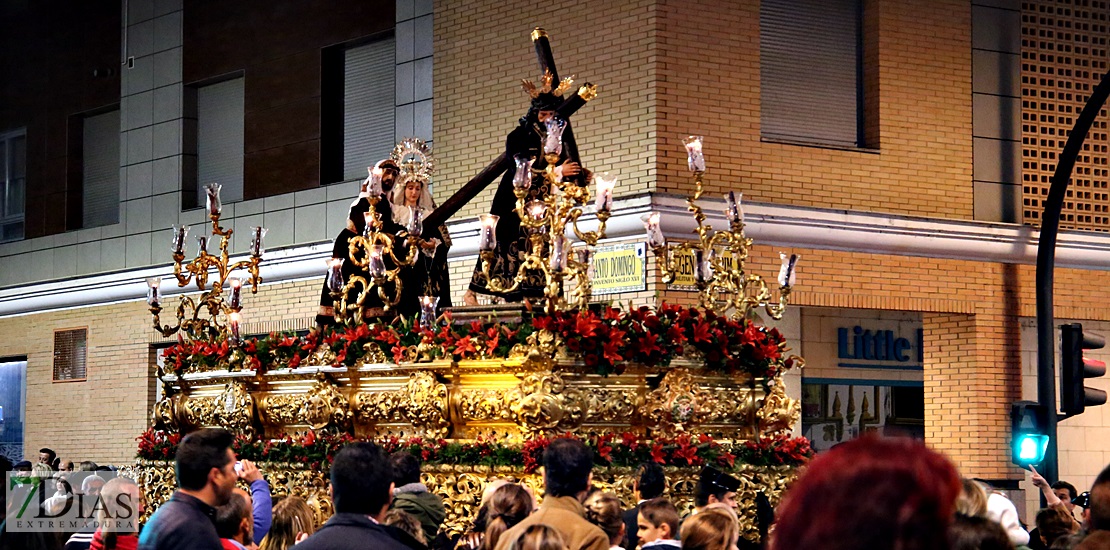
pixel 368 105
pixel 220 139
pixel 100 174
pixel 809 70
pixel 69 354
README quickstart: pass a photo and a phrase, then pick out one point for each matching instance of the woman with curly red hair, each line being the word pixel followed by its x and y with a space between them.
pixel 871 493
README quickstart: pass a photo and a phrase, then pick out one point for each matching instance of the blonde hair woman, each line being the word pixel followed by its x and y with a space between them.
pixel 294 520
pixel 710 529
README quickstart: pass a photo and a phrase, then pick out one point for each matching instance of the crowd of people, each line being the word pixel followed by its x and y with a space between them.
pixel 870 493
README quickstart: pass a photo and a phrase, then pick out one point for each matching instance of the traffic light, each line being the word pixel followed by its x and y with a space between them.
pixel 1074 369
pixel 1030 441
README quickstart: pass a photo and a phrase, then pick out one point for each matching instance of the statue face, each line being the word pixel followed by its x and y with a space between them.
pixel 544 116
pixel 389 177
pixel 413 189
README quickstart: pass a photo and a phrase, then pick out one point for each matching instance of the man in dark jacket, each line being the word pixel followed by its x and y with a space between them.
pixel 413 497
pixel 649 484
pixel 361 486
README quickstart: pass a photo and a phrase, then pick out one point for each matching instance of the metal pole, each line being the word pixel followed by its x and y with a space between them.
pixel 1046 262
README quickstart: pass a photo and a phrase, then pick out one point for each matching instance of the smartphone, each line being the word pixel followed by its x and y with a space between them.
pixel 238 467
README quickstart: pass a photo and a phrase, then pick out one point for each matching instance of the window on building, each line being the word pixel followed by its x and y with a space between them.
pixel 811 88
pixel 13 184
pixel 13 396
pixel 358 126
pixel 100 169
pixel 220 139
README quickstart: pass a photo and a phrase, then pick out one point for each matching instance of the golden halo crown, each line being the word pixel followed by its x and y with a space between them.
pixel 414 157
pixel 545 85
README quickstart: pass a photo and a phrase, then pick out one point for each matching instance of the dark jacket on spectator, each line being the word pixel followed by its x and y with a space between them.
pixel 351 531
pixel 182 523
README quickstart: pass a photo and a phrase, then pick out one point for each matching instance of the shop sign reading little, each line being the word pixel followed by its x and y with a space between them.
pixel 618 268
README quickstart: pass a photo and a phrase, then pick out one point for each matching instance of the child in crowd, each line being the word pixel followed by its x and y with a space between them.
pixel 657 525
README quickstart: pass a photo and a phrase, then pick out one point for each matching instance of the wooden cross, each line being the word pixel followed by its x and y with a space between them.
pixel 503 162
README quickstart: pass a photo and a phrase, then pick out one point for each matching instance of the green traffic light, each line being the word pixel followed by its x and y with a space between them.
pixel 1031 448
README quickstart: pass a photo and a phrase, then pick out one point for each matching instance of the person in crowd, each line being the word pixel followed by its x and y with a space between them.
pixel 22 466
pixel 977 533
pixel 657 525
pixel 42 470
pixel 873 493
pixel 715 486
pixel 1002 510
pixel 1066 493
pixel 1052 523
pixel 1098 514
pixel 405 521
pixel 205 471
pixel 63 493
pixel 604 511
pixel 709 529
pixel 88 499
pixel 87 466
pixel 121 506
pixel 65 466
pixel 361 488
pixel 506 506
pixel 429 275
pixel 261 501
pixel 972 501
pixel 567 465
pixel 649 483
pixel 293 521
pixel 91 485
pixel 539 537
pixel 49 457
pixel 413 497
pixel 234 521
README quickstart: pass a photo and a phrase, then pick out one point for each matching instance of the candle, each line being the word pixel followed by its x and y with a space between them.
pixel 703 269
pixel 553 142
pixel 487 235
pixel 733 211
pixel 235 300
pixel 584 257
pixel 558 254
pixel 202 242
pixel 786 272
pixel 605 184
pixel 522 177
pixel 212 193
pixel 377 261
pixel 234 322
pixel 154 291
pixel 537 210
pixel 428 306
pixel 416 221
pixel 335 275
pixel 373 183
pixel 655 238
pixel 180 233
pixel 694 157
pixel 257 234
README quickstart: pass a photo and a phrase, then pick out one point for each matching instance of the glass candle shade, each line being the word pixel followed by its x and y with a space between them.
pixel 233 321
pixel 234 299
pixel 374 182
pixel 522 177
pixel 334 277
pixel 786 271
pixel 537 210
pixel 585 257
pixel 202 243
pixel 553 142
pixel 487 234
pixel 732 209
pixel 416 221
pixel 695 159
pixel 703 269
pixel 377 261
pixel 655 238
pixel 257 246
pixel 212 199
pixel 558 260
pixel 180 233
pixel 605 184
pixel 428 306
pixel 154 291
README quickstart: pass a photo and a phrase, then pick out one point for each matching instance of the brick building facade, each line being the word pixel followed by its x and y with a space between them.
pixel 920 220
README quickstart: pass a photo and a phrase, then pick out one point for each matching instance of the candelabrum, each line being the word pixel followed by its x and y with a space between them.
pixel 718 256
pixel 545 221
pixel 204 317
pixel 371 253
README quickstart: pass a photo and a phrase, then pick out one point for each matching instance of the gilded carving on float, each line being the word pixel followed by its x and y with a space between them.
pixel 324 407
pixel 421 404
pixel 779 413
pixel 543 403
